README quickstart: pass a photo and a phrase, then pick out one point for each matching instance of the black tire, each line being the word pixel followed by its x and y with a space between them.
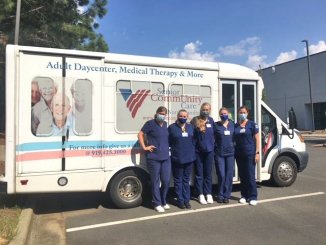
pixel 127 188
pixel 284 171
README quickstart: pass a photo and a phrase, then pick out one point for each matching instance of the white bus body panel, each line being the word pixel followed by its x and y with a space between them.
pixel 124 92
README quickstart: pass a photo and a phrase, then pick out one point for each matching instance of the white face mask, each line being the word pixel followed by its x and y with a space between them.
pixel 242 116
pixel 160 118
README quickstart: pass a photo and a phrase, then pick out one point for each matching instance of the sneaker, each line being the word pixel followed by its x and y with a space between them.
pixel 209 199
pixel 226 200
pixel 202 199
pixel 219 200
pixel 159 209
pixel 181 206
pixel 253 202
pixel 166 206
pixel 188 206
pixel 242 200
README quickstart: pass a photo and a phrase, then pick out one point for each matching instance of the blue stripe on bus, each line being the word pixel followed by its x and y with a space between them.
pixel 55 145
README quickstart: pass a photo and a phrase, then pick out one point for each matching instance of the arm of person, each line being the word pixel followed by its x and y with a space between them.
pixel 141 139
pixel 257 139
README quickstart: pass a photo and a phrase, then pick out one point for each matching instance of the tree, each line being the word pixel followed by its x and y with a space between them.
pixel 69 24
pixel 57 24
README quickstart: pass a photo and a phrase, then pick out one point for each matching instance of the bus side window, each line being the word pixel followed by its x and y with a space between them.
pixel 136 102
pixel 43 90
pixel 268 131
pixel 81 92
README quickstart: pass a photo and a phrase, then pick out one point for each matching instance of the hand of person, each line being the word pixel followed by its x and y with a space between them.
pixel 257 158
pixel 150 148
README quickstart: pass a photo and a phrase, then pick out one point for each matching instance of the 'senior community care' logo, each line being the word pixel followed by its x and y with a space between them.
pixel 134 101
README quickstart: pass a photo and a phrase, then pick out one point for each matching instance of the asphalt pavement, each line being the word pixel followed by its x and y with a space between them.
pixel 290 215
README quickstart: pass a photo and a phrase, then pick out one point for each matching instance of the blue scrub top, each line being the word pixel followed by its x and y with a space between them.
pixel 205 141
pixel 159 137
pixel 182 143
pixel 224 140
pixel 245 143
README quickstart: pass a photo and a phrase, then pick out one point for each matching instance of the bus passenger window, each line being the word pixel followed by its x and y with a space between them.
pixel 136 102
pixel 43 90
pixel 81 92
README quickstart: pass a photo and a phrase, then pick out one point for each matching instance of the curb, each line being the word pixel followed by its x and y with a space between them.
pixel 23 227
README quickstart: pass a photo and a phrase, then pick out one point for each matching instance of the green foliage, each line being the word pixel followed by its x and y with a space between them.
pixel 68 24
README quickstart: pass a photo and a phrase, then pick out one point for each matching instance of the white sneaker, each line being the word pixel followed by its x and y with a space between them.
pixel 159 209
pixel 209 199
pixel 202 199
pixel 242 200
pixel 253 202
pixel 166 206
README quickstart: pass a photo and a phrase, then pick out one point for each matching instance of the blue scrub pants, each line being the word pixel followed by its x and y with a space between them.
pixel 247 168
pixel 160 173
pixel 181 177
pixel 224 171
pixel 203 167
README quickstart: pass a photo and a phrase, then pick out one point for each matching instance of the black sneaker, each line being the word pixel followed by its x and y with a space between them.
pixel 226 200
pixel 181 206
pixel 219 200
pixel 187 205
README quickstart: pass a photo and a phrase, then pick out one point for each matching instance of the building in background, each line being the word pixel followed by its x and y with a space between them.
pixel 287 85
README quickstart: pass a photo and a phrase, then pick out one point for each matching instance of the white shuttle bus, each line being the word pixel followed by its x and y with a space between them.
pixel 72 118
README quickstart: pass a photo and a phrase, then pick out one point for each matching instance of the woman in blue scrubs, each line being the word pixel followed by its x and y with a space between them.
pixel 204 140
pixel 157 157
pixel 246 134
pixel 224 155
pixel 182 157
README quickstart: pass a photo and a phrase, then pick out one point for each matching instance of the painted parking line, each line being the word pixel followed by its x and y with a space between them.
pixel 158 216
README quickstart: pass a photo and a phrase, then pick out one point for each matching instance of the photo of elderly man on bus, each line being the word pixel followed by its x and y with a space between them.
pixel 81 92
pixel 35 93
pixel 62 120
pixel 41 111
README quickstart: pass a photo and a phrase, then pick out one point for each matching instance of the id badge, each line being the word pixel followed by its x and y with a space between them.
pixel 226 132
pixel 242 131
pixel 184 134
pixel 208 125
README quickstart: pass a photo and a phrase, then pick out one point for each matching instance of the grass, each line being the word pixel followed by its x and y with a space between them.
pixel 9 216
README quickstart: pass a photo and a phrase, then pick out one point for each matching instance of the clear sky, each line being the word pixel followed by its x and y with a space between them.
pixel 246 32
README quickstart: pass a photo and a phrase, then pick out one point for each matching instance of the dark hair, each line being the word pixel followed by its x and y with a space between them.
pixel 182 110
pixel 162 109
pixel 244 107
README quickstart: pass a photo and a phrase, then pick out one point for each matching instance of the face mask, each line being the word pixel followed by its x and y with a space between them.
pixel 204 113
pixel 224 117
pixel 160 118
pixel 182 120
pixel 242 116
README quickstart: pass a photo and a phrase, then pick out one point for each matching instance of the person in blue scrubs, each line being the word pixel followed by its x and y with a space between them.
pixel 246 134
pixel 224 155
pixel 183 155
pixel 204 139
pixel 157 157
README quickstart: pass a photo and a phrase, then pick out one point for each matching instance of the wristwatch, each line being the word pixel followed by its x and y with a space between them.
pixel 257 152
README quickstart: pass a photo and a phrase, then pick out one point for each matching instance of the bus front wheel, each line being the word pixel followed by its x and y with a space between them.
pixel 126 189
pixel 284 171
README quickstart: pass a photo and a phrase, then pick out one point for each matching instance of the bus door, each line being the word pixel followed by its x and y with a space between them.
pixel 82 83
pixel 234 94
pixel 56 136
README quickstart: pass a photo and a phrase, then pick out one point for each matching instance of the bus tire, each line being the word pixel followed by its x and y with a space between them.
pixel 284 171
pixel 127 188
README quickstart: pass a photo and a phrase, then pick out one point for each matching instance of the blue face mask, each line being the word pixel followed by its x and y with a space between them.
pixel 160 118
pixel 242 116
pixel 224 117
pixel 182 120
pixel 204 113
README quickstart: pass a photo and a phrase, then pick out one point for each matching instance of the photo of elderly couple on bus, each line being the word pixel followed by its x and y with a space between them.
pixel 55 113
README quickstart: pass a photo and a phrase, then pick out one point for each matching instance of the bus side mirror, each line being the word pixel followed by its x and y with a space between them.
pixel 292 119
